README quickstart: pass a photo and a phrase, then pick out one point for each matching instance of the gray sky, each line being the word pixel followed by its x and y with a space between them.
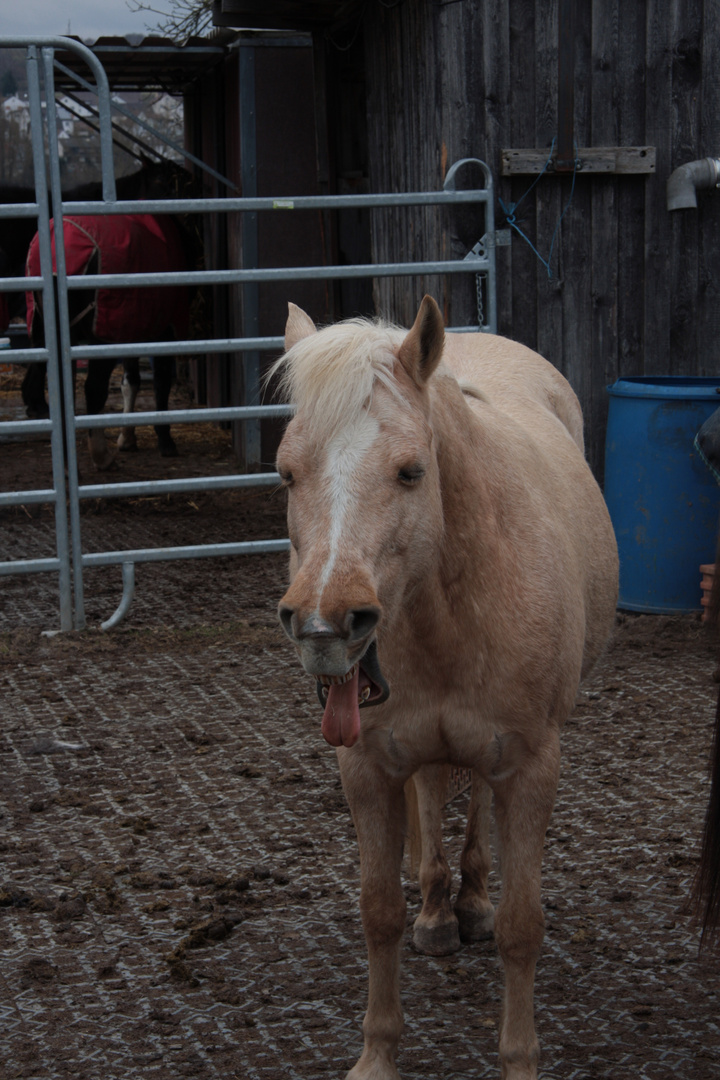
pixel 85 18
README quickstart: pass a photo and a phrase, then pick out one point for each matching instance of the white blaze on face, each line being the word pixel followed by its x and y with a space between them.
pixel 345 456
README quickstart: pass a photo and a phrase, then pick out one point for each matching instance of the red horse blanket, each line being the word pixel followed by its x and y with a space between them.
pixel 124 244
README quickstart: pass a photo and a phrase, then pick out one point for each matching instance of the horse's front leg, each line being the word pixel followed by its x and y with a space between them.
pixel 97 385
pixel 436 928
pixel 474 911
pixel 378 812
pixel 162 381
pixel 523 805
pixel 130 388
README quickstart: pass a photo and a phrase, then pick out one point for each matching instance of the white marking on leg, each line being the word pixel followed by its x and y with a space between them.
pixel 126 438
pixel 129 393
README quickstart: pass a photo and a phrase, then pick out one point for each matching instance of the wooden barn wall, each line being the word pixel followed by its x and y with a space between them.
pixel 634 288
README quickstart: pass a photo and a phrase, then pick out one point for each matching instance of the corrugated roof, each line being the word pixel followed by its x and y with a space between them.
pixel 136 62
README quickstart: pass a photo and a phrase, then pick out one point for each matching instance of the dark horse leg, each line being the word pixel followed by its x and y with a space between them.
pixel 162 381
pixel 97 385
pixel 33 392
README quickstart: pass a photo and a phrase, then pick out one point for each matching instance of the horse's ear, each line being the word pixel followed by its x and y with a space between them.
pixel 422 349
pixel 299 325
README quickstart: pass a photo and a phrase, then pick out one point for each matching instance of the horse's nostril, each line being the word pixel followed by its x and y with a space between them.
pixel 362 622
pixel 286 615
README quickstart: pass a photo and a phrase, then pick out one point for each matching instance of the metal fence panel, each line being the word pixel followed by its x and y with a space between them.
pixel 69 561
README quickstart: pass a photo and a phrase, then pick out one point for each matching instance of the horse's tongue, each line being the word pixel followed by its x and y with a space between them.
pixel 341 719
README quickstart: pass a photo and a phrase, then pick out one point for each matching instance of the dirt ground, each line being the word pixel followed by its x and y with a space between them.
pixel 178 869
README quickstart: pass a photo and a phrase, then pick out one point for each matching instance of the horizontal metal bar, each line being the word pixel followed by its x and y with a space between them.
pixel 288 204
pixel 15 210
pixel 156 488
pixel 24 356
pixel 181 416
pixel 24 498
pixel 25 427
pixel 176 348
pixel 199 551
pixel 21 284
pixel 279 273
pixel 28 566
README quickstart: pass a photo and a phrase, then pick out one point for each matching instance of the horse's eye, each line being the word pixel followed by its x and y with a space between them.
pixel 410 474
pixel 286 476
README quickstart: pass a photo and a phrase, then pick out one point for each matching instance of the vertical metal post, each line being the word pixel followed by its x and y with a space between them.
pixel 62 540
pixel 251 294
pixel 66 367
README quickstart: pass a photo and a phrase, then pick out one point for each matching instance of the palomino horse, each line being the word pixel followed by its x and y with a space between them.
pixel 453 565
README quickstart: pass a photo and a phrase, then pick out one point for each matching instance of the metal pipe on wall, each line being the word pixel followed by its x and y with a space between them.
pixel 684 182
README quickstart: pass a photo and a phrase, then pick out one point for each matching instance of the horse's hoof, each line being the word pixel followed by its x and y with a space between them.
pixel 438 940
pixel 127 445
pixel 475 925
pixel 168 449
pixel 106 463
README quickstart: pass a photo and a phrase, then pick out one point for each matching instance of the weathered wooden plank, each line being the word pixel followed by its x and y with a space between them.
pixel 574 236
pixel 604 233
pixel 590 159
pixel 658 105
pixel 682 280
pixel 628 100
pixel 549 195
pixel 708 301
pixel 519 320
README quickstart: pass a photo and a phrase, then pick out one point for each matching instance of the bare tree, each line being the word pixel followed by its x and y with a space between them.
pixel 177 19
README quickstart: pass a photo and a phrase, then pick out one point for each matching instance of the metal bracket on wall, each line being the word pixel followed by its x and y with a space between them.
pixel 625 160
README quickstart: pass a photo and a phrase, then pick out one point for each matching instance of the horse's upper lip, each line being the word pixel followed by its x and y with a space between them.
pixel 373 687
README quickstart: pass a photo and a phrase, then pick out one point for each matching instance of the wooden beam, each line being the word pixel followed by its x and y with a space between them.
pixel 591 159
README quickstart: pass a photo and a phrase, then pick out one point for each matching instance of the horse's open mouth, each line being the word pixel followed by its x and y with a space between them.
pixel 343 696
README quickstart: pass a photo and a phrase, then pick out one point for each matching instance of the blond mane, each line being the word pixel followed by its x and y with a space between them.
pixel 329 376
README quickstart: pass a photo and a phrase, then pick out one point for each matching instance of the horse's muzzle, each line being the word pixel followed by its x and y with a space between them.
pixel 329 648
pixel 377 689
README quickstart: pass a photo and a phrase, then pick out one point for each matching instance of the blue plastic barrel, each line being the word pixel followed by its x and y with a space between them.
pixel 663 500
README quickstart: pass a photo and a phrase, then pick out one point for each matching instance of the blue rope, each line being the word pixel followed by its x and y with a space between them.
pixel 510 210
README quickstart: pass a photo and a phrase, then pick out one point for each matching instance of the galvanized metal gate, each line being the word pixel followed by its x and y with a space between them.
pixel 65 495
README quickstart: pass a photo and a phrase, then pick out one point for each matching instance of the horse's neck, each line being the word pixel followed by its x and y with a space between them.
pixel 466 482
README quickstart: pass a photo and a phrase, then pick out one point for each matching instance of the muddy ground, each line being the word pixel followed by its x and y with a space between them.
pixel 178 869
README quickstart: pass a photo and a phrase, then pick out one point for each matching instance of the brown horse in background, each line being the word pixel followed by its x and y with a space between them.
pixel 454 573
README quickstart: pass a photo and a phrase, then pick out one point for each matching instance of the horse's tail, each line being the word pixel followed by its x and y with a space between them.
pixel 412 827
pixel 706 887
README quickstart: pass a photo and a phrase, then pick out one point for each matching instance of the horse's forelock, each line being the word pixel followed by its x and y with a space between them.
pixel 329 376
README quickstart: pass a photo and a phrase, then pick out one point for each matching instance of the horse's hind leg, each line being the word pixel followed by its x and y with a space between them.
pixel 162 381
pixel 436 928
pixel 33 392
pixel 523 805
pixel 475 913
pixel 378 814
pixel 130 387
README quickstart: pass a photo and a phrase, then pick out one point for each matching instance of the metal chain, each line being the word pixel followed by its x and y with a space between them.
pixel 479 299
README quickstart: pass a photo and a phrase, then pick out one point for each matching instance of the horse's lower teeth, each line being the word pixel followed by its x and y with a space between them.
pixel 325 692
pixel 364 694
